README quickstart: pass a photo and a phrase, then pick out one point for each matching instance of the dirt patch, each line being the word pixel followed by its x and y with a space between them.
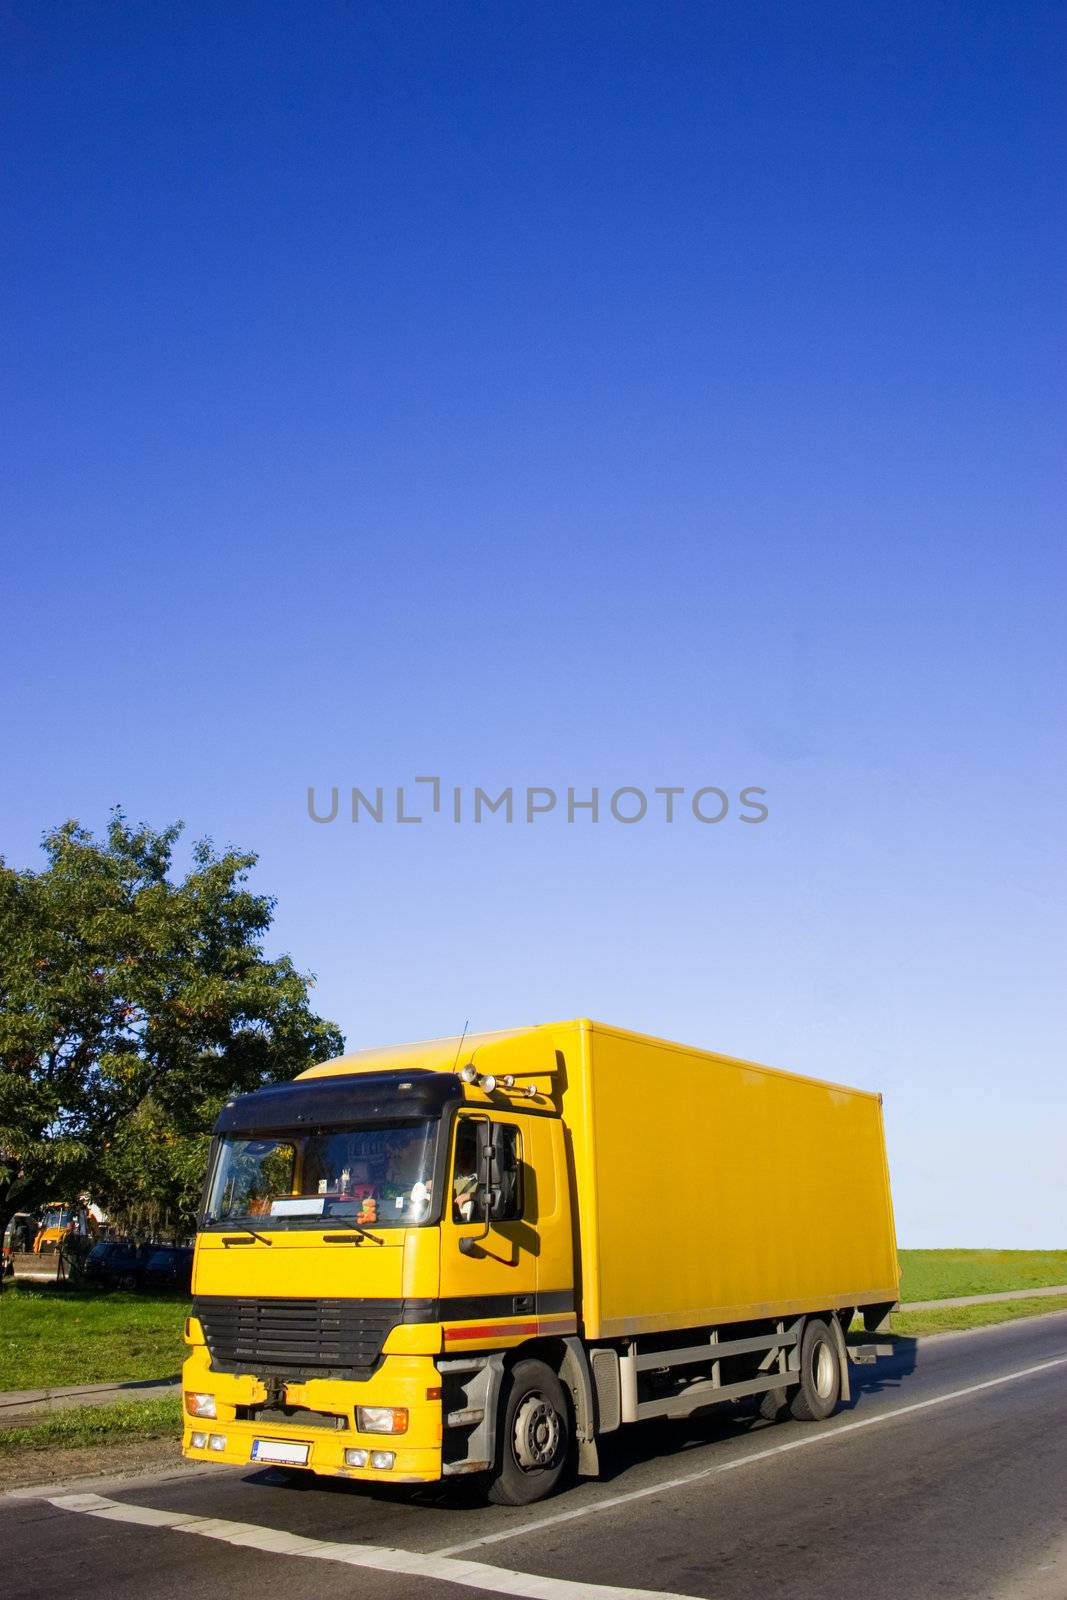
pixel 127 1460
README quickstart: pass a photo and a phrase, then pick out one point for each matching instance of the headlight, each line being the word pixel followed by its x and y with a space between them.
pixel 355 1458
pixel 198 1441
pixel 382 1459
pixel 381 1419
pixel 200 1405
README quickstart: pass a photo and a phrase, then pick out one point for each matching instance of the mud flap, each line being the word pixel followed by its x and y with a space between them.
pixel 574 1373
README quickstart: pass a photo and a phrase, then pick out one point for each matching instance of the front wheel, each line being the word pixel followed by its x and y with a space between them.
pixel 533 1441
pixel 819 1390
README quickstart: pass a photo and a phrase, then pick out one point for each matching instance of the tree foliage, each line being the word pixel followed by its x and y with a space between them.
pixel 131 1006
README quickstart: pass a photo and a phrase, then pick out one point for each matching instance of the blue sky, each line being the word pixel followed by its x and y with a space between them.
pixel 571 395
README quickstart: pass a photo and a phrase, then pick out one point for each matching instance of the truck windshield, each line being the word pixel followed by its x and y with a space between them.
pixel 379 1175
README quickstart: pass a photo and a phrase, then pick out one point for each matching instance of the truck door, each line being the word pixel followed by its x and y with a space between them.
pixel 489 1274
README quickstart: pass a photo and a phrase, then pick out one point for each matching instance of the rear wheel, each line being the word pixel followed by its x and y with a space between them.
pixel 772 1404
pixel 533 1437
pixel 819 1390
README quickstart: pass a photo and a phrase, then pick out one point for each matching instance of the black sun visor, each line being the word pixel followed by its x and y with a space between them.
pixel 340 1100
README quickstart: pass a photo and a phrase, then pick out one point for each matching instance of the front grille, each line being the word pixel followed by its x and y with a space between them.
pixel 317 1337
pixel 291 1417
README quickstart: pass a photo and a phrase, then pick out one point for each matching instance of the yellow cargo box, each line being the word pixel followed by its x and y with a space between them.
pixel 713 1190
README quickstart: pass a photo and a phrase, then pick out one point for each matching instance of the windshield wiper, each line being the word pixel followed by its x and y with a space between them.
pixel 350 1222
pixel 260 1236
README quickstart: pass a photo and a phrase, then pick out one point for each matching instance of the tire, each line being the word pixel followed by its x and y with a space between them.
pixel 819 1389
pixel 533 1437
pixel 772 1404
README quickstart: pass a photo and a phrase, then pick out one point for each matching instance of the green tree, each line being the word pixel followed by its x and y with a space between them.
pixel 151 1173
pixel 131 1006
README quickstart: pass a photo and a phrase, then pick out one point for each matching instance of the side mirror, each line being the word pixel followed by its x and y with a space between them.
pixel 498 1170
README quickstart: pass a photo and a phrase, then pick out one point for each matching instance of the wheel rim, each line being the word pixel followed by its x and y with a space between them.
pixel 537 1433
pixel 823 1370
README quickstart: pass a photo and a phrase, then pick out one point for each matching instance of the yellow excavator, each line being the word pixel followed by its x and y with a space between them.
pixel 55 1220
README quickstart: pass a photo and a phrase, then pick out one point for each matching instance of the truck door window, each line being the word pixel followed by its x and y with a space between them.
pixel 465 1171
pixel 506 1201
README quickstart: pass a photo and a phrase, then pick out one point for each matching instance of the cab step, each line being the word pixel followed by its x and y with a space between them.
pixel 467 1418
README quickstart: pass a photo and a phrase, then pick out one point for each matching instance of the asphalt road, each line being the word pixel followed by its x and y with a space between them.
pixel 947 1477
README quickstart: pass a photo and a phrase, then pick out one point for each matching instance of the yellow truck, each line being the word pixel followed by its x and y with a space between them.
pixel 481 1255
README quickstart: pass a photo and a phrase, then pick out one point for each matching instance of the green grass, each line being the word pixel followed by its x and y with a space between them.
pixel 948 1318
pixel 119 1423
pixel 941 1274
pixel 53 1335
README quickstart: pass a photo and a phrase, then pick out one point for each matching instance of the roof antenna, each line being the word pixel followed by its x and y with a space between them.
pixel 459 1046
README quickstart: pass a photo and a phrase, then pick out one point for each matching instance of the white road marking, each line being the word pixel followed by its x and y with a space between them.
pixel 443 1565
pixel 839 1431
pixel 471 1574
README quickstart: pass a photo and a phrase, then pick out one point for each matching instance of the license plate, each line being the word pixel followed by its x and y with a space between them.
pixel 280 1450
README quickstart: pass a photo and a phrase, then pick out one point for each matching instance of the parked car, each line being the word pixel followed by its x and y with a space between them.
pixel 117 1263
pixel 169 1267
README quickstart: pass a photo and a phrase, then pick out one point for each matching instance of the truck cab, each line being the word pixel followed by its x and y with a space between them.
pixel 366 1238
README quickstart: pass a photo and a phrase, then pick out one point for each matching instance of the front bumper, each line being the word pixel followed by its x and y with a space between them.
pixel 401 1380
